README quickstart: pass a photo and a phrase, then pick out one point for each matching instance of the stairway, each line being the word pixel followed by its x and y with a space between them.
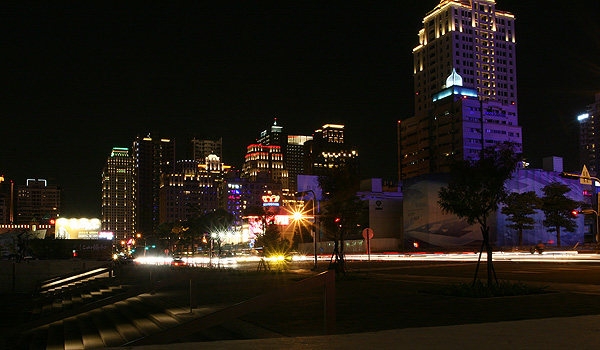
pixel 112 324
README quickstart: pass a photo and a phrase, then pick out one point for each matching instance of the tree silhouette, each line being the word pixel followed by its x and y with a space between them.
pixel 519 208
pixel 558 209
pixel 475 190
pixel 341 210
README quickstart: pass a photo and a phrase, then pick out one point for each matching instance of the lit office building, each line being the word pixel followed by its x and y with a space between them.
pixel 238 194
pixel 265 161
pixel 4 201
pixel 192 189
pixel 589 137
pixel 152 157
pixel 451 130
pixel 117 194
pixel 199 149
pixel 329 150
pixel 465 87
pixel 475 39
pixel 36 200
pixel 294 158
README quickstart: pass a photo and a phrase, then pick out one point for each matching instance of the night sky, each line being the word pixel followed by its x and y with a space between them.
pixel 80 79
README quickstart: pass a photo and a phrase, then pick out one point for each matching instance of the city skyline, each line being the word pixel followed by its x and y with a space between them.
pixel 86 79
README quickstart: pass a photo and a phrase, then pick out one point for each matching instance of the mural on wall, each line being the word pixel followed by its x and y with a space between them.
pixel 427 225
pixel 424 221
pixel 534 180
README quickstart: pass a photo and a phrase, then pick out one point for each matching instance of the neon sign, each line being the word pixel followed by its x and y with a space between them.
pixel 270 201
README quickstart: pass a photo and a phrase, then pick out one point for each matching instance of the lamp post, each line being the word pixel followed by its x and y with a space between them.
pixel 315 227
pixel 588 211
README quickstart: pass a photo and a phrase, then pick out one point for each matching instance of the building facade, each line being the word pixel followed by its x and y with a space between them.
pixel 238 194
pixel 152 157
pixel 589 137
pixel 192 189
pixel 4 201
pixel 36 200
pixel 330 150
pixel 452 130
pixel 117 194
pixel 465 85
pixel 294 158
pixel 264 161
pixel 199 149
pixel 475 39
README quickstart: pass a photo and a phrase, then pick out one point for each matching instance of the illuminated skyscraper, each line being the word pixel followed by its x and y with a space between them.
pixel 152 157
pixel 200 149
pixel 192 189
pixel 465 87
pixel 265 162
pixel 294 158
pixel 266 158
pixel 473 38
pixel 117 194
pixel 589 138
pixel 329 150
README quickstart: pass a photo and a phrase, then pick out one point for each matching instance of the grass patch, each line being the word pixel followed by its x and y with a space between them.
pixel 482 290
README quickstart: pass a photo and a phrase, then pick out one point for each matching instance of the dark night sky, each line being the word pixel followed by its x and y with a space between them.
pixel 78 80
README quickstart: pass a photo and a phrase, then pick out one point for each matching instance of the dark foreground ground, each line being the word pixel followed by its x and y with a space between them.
pixel 393 295
pixel 397 295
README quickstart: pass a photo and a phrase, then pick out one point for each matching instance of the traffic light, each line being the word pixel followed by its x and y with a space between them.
pixel 575 213
pixel 337 219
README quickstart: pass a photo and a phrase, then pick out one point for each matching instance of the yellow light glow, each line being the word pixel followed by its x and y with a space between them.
pixel 333 126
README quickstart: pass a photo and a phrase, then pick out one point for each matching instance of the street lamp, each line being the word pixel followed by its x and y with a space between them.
pixel 588 211
pixel 313 199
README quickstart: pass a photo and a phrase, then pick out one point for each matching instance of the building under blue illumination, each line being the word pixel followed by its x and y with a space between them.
pixel 452 129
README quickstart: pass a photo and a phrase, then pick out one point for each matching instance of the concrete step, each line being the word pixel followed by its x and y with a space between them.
pixel 126 330
pixel 157 315
pixel 89 333
pixel 139 319
pixel 108 333
pixel 72 334
pixel 56 337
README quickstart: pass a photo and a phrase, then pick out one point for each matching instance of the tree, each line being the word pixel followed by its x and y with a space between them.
pixel 165 234
pixel 341 210
pixel 475 190
pixel 519 208
pixel 558 209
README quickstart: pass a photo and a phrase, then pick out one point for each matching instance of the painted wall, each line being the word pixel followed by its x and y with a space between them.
pixel 426 224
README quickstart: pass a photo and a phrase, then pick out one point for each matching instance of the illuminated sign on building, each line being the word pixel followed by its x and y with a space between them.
pixel 270 201
pixel 106 235
pixel 77 228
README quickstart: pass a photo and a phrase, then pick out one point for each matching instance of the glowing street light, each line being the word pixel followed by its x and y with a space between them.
pixel 313 199
pixel 297 215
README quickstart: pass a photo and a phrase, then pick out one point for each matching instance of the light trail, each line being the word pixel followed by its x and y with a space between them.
pixel 567 256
